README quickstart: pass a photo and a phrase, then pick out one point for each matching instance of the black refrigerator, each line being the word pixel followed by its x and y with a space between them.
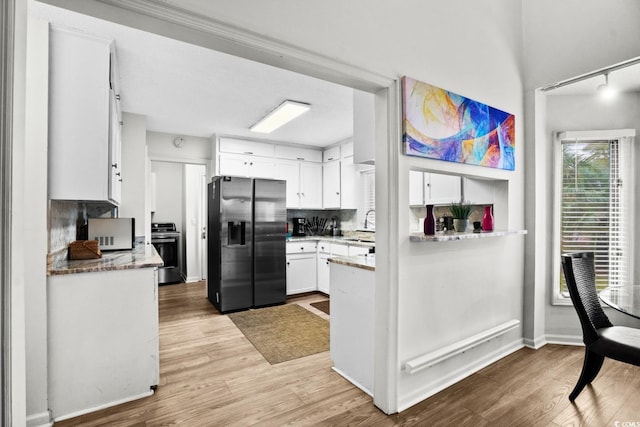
pixel 246 245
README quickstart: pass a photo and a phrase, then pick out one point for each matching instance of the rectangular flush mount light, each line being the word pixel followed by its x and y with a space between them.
pixel 281 115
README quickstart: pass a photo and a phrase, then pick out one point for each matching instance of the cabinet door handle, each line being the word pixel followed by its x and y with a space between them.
pixel 250 163
pixel 115 165
pixel 248 152
pixel 118 96
pixel 302 248
pixel 299 158
pixel 337 193
pixel 288 263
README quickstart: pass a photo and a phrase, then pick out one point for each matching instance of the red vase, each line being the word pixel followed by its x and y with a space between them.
pixel 487 219
pixel 429 222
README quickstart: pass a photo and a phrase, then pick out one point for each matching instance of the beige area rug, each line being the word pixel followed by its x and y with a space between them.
pixel 283 332
pixel 322 306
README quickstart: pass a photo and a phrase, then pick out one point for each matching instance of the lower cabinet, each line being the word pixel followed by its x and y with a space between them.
pixel 301 267
pixel 301 273
pixel 323 273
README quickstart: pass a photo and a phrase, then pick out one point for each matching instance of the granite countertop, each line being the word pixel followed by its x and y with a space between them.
pixel 338 239
pixel 446 236
pixel 143 256
pixel 366 262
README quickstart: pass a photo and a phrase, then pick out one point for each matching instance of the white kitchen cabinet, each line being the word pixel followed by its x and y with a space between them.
pixel 242 146
pixel 246 165
pixel 364 120
pixel 348 183
pixel 331 154
pixel 301 267
pixel 331 185
pixel 479 191
pixel 304 183
pixel 323 273
pixel 287 152
pixel 433 188
pixel 358 250
pixel 443 189
pixel 416 188
pixel 103 339
pixel 84 118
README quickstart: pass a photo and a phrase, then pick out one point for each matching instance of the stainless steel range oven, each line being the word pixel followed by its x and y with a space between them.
pixel 166 240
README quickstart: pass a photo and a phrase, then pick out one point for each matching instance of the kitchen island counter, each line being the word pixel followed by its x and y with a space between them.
pixel 143 256
pixel 367 261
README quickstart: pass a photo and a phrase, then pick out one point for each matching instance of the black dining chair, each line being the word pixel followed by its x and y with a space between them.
pixel 600 337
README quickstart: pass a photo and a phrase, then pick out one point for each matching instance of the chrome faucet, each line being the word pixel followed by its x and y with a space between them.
pixel 366 217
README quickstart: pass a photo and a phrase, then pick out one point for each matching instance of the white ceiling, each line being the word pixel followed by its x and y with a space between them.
pixel 185 89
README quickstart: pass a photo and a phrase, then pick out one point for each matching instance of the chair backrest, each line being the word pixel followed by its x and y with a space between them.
pixel 580 274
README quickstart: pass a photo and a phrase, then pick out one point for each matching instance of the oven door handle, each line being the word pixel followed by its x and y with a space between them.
pixel 165 240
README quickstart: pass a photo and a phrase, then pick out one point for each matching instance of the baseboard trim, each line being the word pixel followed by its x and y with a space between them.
pixel 352 381
pixel 458 375
pixel 535 343
pixel 565 340
pixel 41 419
pixel 103 406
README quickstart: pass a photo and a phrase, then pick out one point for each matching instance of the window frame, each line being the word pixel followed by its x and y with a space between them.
pixel 559 298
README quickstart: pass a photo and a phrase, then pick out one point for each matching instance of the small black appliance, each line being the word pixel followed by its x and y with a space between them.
pixel 299 226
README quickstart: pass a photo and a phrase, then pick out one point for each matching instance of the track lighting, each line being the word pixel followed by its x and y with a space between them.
pixel 605 90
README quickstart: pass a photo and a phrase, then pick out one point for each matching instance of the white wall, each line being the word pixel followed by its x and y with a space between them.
pixel 193 150
pixel 35 222
pixel 556 36
pixel 169 192
pixel 192 221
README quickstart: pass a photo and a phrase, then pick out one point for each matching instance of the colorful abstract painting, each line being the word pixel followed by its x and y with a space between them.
pixel 443 125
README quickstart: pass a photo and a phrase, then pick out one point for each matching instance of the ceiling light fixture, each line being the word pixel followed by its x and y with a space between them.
pixel 605 90
pixel 281 115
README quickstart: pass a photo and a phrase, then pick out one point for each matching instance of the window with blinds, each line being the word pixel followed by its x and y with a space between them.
pixel 593 207
pixel 369 217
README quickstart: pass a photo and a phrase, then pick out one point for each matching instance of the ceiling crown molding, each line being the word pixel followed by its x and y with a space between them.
pixel 257 46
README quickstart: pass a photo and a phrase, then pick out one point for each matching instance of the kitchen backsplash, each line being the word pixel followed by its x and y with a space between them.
pixel 347 218
pixel 63 216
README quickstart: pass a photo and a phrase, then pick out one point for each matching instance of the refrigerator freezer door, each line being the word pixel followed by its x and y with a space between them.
pixel 269 261
pixel 229 285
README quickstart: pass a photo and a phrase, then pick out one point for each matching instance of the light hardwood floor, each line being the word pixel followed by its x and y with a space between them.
pixel 212 376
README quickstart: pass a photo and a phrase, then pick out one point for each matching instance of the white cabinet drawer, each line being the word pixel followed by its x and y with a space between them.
pixel 324 247
pixel 330 154
pixel 358 250
pixel 301 247
pixel 339 249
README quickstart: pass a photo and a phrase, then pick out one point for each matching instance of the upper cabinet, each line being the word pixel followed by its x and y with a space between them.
pixel 433 188
pixel 304 183
pixel 364 127
pixel 246 158
pixel 84 119
pixel 479 191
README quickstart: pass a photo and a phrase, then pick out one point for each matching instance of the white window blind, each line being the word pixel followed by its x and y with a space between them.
pixel 594 207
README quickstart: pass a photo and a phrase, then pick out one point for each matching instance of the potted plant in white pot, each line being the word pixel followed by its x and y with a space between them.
pixel 460 212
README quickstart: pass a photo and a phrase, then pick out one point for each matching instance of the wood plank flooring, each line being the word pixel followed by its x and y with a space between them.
pixel 212 376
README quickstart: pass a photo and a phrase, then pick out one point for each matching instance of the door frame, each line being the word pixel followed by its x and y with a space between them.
pixel 179 24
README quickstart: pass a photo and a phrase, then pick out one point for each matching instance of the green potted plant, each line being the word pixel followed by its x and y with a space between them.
pixel 460 212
